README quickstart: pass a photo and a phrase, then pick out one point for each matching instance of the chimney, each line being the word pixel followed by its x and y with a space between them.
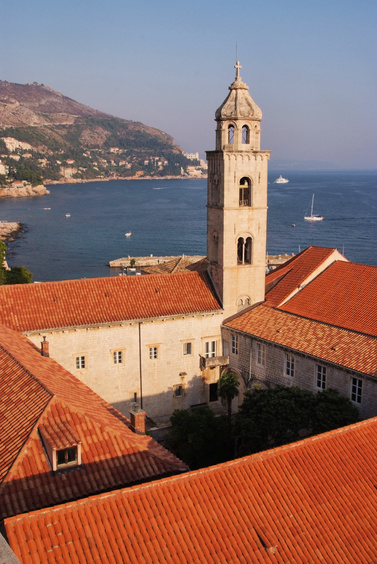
pixel 137 416
pixel 45 347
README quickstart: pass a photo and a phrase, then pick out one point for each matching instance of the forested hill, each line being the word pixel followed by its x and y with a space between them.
pixel 47 136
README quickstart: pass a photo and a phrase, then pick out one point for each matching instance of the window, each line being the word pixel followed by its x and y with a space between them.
pixel 234 344
pixel 289 365
pixel 210 349
pixel 66 456
pixel 213 388
pixel 321 376
pixel 153 353
pixel 187 349
pixel 245 135
pixel 80 362
pixel 261 354
pixel 178 391
pixel 245 192
pixel 244 250
pixel 356 386
pixel 118 357
pixel 231 134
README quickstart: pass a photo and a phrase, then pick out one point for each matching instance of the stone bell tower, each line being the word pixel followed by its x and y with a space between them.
pixel 237 201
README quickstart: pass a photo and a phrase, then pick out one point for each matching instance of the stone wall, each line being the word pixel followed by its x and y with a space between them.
pixel 158 377
pixel 272 372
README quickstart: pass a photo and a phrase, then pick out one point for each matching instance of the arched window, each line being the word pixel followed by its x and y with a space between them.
pixel 245 135
pixel 244 250
pixel 231 134
pixel 245 192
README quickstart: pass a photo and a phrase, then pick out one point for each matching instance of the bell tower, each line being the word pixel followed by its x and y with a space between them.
pixel 237 201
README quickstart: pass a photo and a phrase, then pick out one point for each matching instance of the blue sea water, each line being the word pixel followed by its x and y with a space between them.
pixel 168 217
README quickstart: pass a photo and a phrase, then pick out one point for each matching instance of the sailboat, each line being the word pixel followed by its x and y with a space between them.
pixel 312 216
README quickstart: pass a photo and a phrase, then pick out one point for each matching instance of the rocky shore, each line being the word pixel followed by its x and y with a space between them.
pixel 9 230
pixel 22 190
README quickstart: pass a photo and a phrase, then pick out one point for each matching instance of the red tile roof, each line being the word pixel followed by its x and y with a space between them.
pixel 72 303
pixel 311 501
pixel 36 391
pixel 339 346
pixel 287 278
pixel 345 295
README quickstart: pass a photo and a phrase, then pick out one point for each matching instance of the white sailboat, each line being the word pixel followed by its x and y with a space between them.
pixel 312 216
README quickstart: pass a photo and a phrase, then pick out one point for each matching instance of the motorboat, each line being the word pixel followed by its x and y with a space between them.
pixel 67 215
pixel 312 216
pixel 128 234
pixel 281 180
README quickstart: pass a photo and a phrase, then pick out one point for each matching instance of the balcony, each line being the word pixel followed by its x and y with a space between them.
pixel 213 361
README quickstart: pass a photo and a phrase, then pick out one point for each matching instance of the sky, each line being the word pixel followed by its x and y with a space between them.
pixel 310 67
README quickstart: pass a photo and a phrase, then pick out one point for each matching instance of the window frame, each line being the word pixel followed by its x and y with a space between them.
pixel 234 343
pixel 356 390
pixel 153 352
pixel 118 357
pixel 80 361
pixel 187 348
pixel 210 349
pixel 176 389
pixel 289 365
pixel 261 354
pixel 321 376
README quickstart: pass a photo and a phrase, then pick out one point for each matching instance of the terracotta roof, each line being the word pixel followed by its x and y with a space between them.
pixel 36 391
pixel 178 264
pixel 312 501
pixel 287 278
pixel 72 303
pixel 345 294
pixel 340 346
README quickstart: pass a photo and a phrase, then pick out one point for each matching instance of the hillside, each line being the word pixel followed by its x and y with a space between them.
pixel 46 136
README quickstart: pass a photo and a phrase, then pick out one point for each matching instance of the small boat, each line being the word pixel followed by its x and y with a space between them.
pixel 67 215
pixel 47 208
pixel 293 225
pixel 312 216
pixel 281 180
pixel 128 234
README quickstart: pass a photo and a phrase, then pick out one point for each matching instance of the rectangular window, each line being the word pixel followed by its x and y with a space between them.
pixel 210 349
pixel 289 365
pixel 321 376
pixel 178 391
pixel 118 357
pixel 80 362
pixel 245 196
pixel 356 386
pixel 187 349
pixel 67 456
pixel 153 353
pixel 261 354
pixel 234 344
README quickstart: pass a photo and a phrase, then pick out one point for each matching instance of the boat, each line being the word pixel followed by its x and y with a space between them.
pixel 47 208
pixel 67 215
pixel 128 234
pixel 281 180
pixel 312 216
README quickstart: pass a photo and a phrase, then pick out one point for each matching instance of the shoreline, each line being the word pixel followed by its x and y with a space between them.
pixel 86 180
pixel 10 229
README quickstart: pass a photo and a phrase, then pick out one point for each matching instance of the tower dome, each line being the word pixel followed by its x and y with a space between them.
pixel 238 104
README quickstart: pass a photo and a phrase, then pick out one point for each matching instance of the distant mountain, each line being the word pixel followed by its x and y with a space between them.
pixel 45 135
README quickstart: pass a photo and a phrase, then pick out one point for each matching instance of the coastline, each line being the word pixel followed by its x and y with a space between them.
pixel 86 180
pixel 10 229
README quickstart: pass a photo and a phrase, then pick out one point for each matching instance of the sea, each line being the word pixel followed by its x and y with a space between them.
pixel 78 228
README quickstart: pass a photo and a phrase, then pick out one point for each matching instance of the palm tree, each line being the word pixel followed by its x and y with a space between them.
pixel 228 390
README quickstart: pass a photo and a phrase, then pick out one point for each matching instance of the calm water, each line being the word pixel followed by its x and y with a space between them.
pixel 168 217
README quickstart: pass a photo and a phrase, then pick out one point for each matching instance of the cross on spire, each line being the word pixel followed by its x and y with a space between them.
pixel 237 66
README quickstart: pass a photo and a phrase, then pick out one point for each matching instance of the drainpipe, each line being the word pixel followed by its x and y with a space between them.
pixel 140 369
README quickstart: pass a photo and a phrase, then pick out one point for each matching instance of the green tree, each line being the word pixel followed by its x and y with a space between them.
pixel 199 438
pixel 228 390
pixel 276 416
pixel 18 275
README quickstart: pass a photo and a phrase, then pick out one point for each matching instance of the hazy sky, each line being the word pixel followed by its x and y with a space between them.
pixel 310 66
